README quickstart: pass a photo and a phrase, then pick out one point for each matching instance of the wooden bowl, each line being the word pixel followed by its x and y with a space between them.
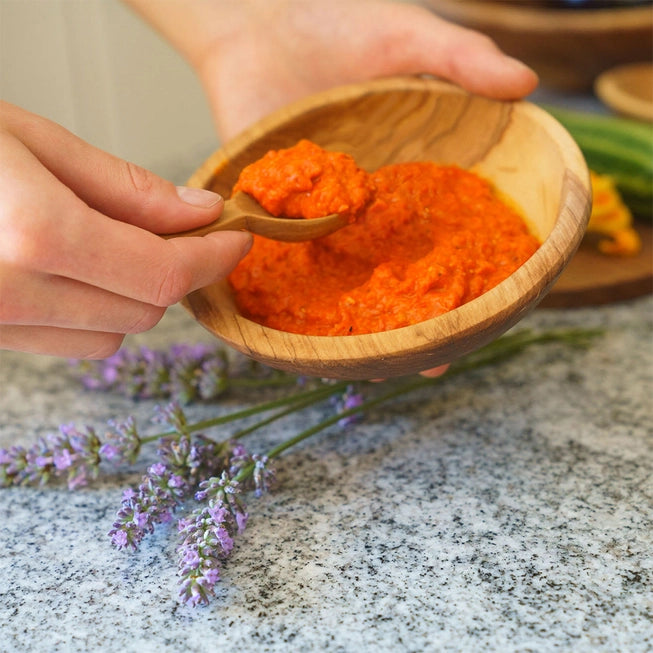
pixel 521 148
pixel 628 90
pixel 568 48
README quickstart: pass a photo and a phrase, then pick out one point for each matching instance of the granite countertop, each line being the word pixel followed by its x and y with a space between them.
pixel 506 510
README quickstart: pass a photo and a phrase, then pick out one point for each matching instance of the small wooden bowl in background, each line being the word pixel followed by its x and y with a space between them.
pixel 518 146
pixel 628 90
pixel 569 47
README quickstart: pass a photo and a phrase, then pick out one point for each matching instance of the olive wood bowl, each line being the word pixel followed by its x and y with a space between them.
pixel 522 149
pixel 567 47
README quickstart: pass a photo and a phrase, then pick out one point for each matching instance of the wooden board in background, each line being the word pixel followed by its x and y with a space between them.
pixel 592 278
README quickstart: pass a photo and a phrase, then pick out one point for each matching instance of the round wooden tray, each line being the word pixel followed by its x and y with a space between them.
pixel 592 278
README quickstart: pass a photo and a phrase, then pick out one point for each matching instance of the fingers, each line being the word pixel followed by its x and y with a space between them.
pixel 116 188
pixel 47 228
pixel 435 371
pixel 33 299
pixel 67 343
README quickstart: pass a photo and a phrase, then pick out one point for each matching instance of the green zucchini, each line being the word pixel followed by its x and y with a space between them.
pixel 615 146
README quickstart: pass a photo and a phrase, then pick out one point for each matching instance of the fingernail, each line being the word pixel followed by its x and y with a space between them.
pixel 248 244
pixel 245 241
pixel 235 243
pixel 204 199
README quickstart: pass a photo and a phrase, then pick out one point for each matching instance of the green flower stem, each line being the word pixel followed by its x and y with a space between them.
pixel 328 391
pixel 310 395
pixel 274 382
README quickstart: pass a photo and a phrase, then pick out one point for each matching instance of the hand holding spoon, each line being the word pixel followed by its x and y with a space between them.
pixel 244 212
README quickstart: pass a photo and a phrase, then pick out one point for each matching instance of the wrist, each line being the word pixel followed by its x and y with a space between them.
pixel 196 28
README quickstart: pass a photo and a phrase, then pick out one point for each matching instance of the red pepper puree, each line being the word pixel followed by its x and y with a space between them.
pixel 423 239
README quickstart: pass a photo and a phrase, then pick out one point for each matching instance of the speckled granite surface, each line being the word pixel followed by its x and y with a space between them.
pixel 510 510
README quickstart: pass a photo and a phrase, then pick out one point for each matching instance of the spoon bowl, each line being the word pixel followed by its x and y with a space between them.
pixel 244 212
pixel 521 149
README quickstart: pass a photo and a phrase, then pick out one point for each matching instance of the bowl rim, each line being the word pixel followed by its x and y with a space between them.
pixel 534 277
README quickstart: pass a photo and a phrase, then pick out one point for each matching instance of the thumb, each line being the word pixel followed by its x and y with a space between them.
pixel 117 188
pixel 461 55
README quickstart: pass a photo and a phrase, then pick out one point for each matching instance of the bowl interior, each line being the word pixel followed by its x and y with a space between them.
pixel 528 156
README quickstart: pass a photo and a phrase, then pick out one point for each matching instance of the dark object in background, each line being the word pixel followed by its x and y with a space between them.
pixel 578 4
pixel 569 43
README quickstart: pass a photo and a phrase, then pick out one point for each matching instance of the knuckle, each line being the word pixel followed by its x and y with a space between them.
pixel 20 244
pixel 28 234
pixel 140 179
pixel 173 285
pixel 483 40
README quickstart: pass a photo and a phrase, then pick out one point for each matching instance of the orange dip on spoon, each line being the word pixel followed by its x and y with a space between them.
pixel 423 239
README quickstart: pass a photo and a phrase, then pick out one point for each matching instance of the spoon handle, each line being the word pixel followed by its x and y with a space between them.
pixel 232 218
pixel 243 212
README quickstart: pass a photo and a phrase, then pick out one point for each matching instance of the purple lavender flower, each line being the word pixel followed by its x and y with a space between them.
pixel 154 502
pixel 13 462
pixel 139 374
pixel 263 475
pixel 71 453
pixel 223 491
pixel 350 399
pixel 237 458
pixel 197 371
pixel 206 458
pixel 213 379
pixel 194 458
pixel 173 416
pixel 187 372
pixel 199 554
pixel 122 443
pixel 76 453
pixel 207 537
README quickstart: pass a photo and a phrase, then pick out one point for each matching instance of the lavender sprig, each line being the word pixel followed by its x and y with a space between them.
pixel 71 453
pixel 207 537
pixel 186 373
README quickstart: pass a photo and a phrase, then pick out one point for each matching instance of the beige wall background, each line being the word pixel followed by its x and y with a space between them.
pixel 99 70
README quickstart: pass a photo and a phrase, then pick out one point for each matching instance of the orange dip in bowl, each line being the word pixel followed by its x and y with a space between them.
pixel 423 239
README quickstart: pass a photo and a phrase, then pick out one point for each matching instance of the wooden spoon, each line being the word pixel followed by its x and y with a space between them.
pixel 244 212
